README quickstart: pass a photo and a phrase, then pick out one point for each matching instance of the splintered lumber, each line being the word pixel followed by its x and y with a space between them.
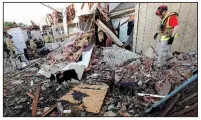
pixel 82 5
pixel 185 110
pixel 30 95
pixel 171 105
pixel 92 20
pixel 113 14
pixel 188 98
pixel 48 111
pixel 104 14
pixel 35 100
pixel 109 32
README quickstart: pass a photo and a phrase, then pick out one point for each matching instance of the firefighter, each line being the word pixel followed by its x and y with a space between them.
pixel 168 32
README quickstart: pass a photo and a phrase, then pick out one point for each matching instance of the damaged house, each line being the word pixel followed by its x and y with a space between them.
pixel 101 63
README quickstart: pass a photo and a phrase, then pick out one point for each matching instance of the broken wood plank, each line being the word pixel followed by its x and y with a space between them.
pixel 122 12
pixel 35 100
pixel 30 95
pixel 185 110
pixel 188 98
pixel 53 114
pixel 191 113
pixel 104 14
pixel 48 111
pixel 92 96
pixel 171 105
pixel 109 32
pixel 86 24
pixel 92 20
pixel 82 6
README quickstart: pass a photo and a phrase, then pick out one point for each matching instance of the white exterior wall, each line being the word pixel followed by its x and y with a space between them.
pixel 18 39
pixel 147 22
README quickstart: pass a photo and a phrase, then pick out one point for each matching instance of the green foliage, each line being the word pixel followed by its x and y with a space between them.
pixel 8 24
pixel 21 24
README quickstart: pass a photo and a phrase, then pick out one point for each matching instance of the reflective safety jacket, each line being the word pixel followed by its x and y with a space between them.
pixel 165 29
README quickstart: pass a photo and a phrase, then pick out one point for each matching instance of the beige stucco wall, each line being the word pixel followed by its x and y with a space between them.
pixel 146 26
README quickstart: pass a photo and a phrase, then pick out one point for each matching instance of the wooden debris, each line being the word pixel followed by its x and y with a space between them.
pixel 124 114
pixel 48 111
pixel 80 107
pixel 53 114
pixel 122 12
pixel 185 110
pixel 92 21
pixel 109 32
pixel 104 14
pixel 82 6
pixel 188 98
pixel 30 95
pixel 171 105
pixel 35 100
pixel 92 96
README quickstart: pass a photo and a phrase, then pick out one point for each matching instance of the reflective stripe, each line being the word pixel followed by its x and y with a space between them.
pixel 167 23
pixel 164 38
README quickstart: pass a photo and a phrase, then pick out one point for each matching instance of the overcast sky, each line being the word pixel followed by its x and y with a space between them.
pixel 25 12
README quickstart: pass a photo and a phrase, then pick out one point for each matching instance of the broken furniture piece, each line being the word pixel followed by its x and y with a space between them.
pixel 92 96
pixel 35 100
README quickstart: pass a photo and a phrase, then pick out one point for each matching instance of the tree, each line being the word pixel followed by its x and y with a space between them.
pixel 21 24
pixel 8 24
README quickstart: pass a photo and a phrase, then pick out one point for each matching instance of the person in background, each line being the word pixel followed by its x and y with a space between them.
pixel 10 45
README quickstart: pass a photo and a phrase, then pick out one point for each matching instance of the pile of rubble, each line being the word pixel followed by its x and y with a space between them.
pixel 116 57
pixel 134 84
pixel 113 80
pixel 140 82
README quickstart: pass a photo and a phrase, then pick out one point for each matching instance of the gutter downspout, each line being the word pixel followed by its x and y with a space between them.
pixel 181 87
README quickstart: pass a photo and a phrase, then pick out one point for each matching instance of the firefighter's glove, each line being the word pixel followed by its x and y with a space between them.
pixel 170 41
pixel 155 36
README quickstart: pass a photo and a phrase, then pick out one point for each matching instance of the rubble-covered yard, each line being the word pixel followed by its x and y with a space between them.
pixel 110 80
pixel 127 74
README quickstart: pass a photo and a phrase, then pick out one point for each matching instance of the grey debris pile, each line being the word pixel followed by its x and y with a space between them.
pixel 116 56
